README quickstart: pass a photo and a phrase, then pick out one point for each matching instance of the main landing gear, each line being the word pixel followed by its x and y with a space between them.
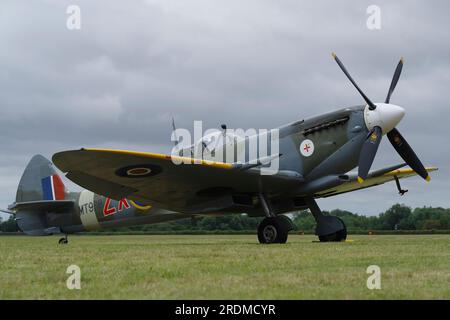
pixel 273 229
pixel 63 240
pixel 329 228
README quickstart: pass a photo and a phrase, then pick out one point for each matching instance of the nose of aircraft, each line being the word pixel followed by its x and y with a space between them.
pixel 386 116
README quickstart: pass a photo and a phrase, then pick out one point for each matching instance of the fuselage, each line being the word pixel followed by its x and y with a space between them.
pixel 92 212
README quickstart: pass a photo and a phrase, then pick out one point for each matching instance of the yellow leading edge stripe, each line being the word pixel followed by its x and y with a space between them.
pixel 409 171
pixel 403 171
pixel 209 163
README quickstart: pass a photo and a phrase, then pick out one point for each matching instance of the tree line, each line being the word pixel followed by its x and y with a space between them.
pixel 398 217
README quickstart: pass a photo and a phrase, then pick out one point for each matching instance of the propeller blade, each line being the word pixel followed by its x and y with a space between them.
pixel 395 78
pixel 368 152
pixel 406 152
pixel 372 106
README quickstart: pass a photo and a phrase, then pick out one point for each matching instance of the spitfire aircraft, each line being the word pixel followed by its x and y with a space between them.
pixel 126 188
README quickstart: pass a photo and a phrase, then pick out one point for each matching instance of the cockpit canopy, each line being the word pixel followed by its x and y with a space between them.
pixel 210 142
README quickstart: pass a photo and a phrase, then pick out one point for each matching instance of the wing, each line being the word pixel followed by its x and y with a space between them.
pixel 155 179
pixel 375 178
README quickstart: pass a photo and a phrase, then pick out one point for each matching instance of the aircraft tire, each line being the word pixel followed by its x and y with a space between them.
pixel 340 235
pixel 63 241
pixel 273 230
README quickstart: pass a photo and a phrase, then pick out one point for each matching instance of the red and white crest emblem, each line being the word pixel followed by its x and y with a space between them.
pixel 307 148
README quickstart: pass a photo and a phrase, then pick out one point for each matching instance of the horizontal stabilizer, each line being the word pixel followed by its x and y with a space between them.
pixel 43 205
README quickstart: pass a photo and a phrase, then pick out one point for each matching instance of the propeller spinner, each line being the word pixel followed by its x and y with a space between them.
pixel 381 118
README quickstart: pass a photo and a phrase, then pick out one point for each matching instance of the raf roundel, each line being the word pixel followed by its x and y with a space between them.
pixel 139 171
pixel 307 148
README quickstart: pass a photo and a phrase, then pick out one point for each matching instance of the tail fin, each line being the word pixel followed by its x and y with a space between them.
pixel 40 182
pixel 38 189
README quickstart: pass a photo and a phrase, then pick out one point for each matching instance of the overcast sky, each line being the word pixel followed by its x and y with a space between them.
pixel 133 65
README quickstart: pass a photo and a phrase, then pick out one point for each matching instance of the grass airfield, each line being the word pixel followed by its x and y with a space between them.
pixel 224 267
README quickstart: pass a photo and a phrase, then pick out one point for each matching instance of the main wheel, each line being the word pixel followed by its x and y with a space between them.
pixel 63 241
pixel 274 230
pixel 340 235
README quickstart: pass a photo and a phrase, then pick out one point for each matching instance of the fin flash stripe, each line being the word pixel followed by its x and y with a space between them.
pixel 53 188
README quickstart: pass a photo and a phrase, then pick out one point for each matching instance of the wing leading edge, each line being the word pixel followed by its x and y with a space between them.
pixel 375 179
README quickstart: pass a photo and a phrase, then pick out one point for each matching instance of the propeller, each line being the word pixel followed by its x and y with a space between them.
pixel 370 145
pixel 368 151
pixel 395 78
pixel 372 106
pixel 406 152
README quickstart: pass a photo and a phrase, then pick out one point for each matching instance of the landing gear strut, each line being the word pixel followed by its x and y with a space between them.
pixel 64 240
pixel 329 228
pixel 399 188
pixel 273 229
